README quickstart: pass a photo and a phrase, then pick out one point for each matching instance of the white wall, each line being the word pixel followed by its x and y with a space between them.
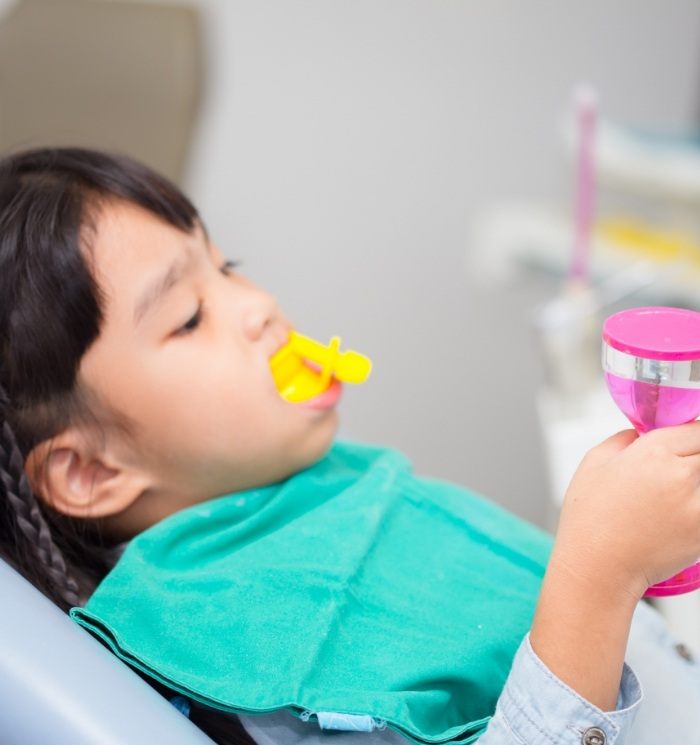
pixel 345 150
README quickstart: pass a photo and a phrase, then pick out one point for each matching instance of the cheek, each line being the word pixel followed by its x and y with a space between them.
pixel 194 374
pixel 219 403
pixel 194 404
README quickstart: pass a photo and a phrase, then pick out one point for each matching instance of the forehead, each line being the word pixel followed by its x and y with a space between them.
pixel 128 239
pixel 129 245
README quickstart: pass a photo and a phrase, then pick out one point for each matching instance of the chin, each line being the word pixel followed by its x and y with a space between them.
pixel 321 440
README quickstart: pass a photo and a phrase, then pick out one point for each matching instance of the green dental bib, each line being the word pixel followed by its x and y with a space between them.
pixel 353 587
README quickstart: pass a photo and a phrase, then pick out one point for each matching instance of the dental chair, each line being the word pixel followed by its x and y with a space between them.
pixel 122 75
pixel 59 685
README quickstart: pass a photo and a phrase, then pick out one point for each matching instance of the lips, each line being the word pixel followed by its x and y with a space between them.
pixel 327 399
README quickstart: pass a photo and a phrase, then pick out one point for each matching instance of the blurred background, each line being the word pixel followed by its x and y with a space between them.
pixel 402 173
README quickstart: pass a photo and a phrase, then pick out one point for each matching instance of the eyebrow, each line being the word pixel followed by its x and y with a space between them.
pixel 157 289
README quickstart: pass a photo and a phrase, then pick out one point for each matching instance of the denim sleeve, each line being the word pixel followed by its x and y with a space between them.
pixel 536 707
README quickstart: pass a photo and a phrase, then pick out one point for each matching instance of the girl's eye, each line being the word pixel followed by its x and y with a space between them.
pixel 228 267
pixel 192 324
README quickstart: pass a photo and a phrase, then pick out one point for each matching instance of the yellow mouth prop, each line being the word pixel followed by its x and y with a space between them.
pixel 304 368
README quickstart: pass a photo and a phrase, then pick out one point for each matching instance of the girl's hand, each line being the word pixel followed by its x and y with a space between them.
pixel 631 514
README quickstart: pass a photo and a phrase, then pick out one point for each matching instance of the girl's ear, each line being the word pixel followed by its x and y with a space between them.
pixel 77 480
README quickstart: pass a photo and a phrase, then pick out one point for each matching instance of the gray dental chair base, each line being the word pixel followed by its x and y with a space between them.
pixel 58 685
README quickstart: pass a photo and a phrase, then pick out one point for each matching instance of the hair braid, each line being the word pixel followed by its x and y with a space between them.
pixel 29 520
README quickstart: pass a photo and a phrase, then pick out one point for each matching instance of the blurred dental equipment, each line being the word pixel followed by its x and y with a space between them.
pixel 567 325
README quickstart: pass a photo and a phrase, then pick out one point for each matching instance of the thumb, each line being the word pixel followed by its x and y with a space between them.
pixel 612 445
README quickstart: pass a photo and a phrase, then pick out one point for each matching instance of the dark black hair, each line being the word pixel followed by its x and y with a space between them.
pixel 51 311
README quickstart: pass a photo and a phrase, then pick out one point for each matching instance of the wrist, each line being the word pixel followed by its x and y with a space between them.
pixel 580 631
pixel 602 582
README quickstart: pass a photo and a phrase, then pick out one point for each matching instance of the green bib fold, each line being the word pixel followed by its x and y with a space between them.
pixel 353 587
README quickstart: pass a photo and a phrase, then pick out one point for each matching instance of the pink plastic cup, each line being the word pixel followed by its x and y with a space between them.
pixel 651 358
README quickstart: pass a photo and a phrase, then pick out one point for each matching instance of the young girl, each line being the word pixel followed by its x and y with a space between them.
pixel 135 387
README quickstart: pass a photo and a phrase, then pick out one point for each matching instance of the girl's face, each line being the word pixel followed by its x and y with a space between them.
pixel 184 353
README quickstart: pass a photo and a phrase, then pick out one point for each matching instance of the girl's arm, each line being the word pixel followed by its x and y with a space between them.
pixel 631 517
pixel 580 632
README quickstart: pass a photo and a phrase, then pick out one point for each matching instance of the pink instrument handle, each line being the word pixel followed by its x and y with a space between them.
pixel 586 116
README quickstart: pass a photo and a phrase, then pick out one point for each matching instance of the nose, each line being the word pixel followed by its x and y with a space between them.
pixel 260 311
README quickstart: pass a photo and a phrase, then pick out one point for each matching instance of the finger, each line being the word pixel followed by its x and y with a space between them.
pixel 694 478
pixel 681 439
pixel 694 462
pixel 612 445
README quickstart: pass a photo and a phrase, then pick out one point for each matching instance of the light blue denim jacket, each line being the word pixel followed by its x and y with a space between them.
pixel 537 708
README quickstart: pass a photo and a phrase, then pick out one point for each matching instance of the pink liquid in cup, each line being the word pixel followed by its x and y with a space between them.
pixel 649 406
pixel 651 358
